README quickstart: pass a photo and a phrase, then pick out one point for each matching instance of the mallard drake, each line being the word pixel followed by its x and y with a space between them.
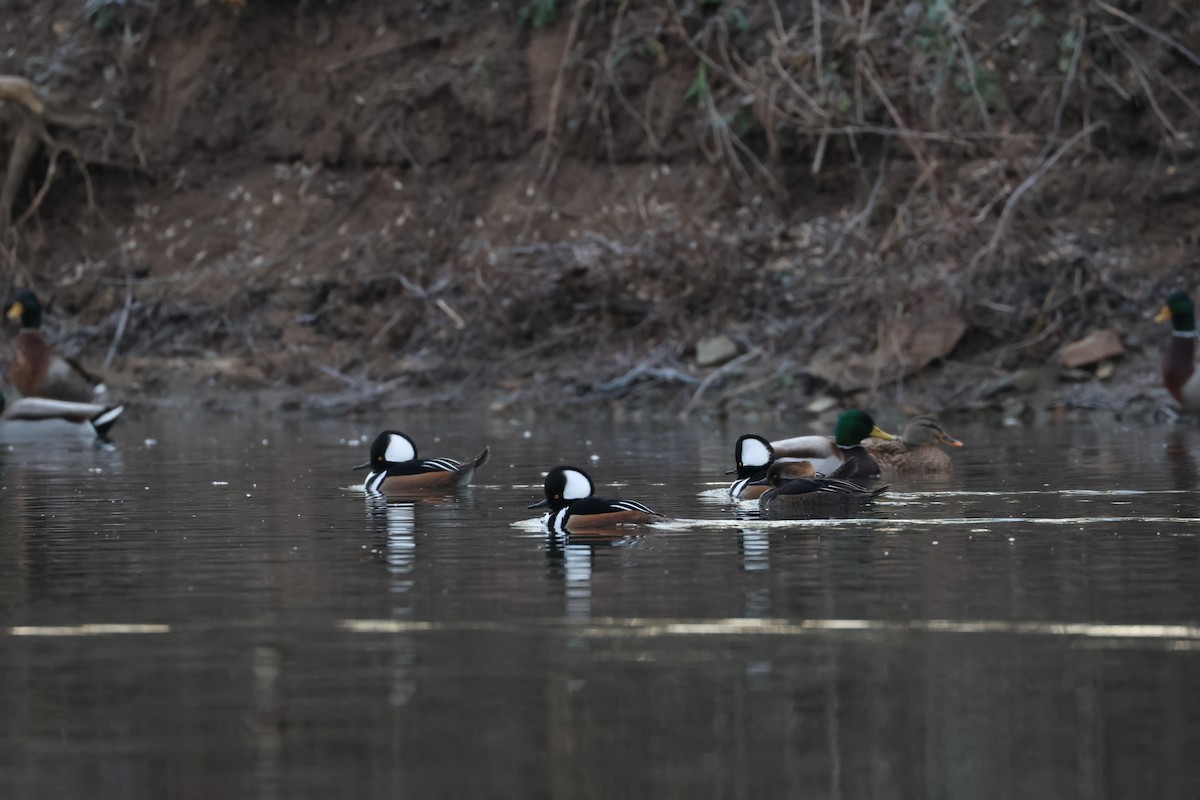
pixel 36 370
pixel 35 417
pixel 916 450
pixel 820 493
pixel 573 508
pixel 827 454
pixel 1179 357
pixel 754 456
pixel 396 470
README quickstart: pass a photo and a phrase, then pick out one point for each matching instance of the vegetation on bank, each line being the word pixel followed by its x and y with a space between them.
pixel 848 191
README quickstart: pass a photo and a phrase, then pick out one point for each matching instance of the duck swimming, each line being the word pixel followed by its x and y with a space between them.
pixel 817 494
pixel 395 468
pixel 39 418
pixel 916 449
pixel 828 454
pixel 573 508
pixel 1179 358
pixel 36 370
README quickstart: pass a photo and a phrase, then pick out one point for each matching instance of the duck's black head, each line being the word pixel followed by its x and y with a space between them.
pixel 1180 311
pixel 390 447
pixel 26 308
pixel 564 485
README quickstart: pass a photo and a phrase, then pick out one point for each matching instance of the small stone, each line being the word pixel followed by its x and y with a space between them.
pixel 1091 349
pixel 821 404
pixel 1106 370
pixel 1074 375
pixel 714 351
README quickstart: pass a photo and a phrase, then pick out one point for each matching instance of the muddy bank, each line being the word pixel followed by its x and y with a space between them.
pixel 690 206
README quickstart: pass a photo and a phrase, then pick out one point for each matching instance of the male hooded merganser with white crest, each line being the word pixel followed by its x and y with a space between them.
pixel 34 417
pixel 1179 359
pixel 36 370
pixel 916 449
pixel 827 454
pixel 754 456
pixel 818 493
pixel 573 508
pixel 395 468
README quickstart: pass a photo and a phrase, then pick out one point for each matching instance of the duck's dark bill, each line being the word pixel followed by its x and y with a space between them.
pixel 731 471
pixel 542 504
pixel 364 465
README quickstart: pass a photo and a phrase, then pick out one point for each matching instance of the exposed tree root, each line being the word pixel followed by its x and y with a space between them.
pixel 34 119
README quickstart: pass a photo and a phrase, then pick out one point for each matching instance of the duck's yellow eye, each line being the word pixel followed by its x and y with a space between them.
pixel 555 497
pixel 379 458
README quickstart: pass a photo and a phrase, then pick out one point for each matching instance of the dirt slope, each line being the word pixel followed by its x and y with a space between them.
pixel 326 204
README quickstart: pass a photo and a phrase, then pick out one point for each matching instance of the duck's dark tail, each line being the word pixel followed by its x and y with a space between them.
pixel 836 482
pixel 106 419
pixel 483 457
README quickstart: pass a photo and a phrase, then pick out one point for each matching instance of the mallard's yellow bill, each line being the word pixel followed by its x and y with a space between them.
pixel 16 311
pixel 877 433
pixel 1164 315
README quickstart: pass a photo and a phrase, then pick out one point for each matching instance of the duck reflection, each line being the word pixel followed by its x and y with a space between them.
pixel 571 557
pixel 395 522
pixel 755 546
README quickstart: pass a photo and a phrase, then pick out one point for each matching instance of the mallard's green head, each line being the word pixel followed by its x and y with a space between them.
pixel 2 402
pixel 27 309
pixel 1180 311
pixel 854 426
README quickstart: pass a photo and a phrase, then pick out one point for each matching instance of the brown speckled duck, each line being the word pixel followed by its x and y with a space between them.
pixel 917 448
pixel 1179 357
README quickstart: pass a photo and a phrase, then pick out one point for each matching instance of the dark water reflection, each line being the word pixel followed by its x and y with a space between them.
pixel 1029 627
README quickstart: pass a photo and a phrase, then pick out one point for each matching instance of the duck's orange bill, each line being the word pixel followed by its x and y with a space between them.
pixel 1164 315
pixel 946 438
pixel 15 311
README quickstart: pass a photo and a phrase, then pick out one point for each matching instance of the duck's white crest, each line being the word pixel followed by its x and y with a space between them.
pixel 578 485
pixel 755 453
pixel 399 449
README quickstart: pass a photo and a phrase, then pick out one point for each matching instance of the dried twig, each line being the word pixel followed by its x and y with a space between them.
pixel 712 376
pixel 559 80
pixel 1026 185
pixel 1157 34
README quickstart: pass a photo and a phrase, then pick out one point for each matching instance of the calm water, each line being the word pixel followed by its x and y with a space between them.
pixel 1027 628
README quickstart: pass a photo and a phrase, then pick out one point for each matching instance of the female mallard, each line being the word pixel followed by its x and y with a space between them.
pixel 917 448
pixel 36 370
pixel 792 496
pixel 827 455
pixel 1179 359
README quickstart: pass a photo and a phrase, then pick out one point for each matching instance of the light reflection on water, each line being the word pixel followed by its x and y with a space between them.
pixel 1029 626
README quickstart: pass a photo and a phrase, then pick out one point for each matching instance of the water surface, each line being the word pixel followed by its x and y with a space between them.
pixel 215 611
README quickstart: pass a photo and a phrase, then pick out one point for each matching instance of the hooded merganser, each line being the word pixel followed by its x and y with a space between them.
pixel 395 468
pixel 36 370
pixel 754 456
pixel 573 508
